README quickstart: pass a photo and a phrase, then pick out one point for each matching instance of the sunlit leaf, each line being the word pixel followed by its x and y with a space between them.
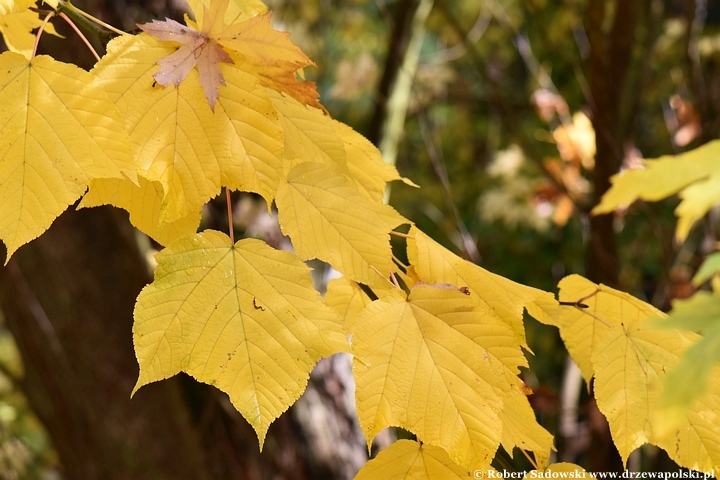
pixel 179 142
pixel 143 202
pixel 326 217
pixel 406 459
pixel 242 317
pixel 435 264
pixel 669 175
pixel 520 429
pixel 365 163
pixel 346 298
pixel 630 358
pixel 434 364
pixel 58 131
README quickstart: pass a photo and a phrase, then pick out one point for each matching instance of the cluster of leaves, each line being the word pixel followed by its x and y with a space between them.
pixel 170 116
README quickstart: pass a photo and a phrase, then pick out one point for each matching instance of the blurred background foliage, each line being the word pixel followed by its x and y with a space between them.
pixel 500 134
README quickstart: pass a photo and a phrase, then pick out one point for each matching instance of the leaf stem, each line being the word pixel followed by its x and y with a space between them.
pixel 231 228
pixel 403 235
pixel 399 263
pixel 72 8
pixel 384 277
pixel 80 34
pixel 39 34
pixel 530 459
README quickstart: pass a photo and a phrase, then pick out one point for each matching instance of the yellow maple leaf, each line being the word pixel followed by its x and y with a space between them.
pixel 521 429
pixel 602 309
pixel 346 298
pixel 242 317
pixel 49 106
pixel 437 365
pixel 365 164
pixel 143 202
pixel 16 24
pixel 176 138
pixel 406 459
pixel 695 174
pixel 496 294
pixel 326 217
pixel 269 52
pixel 630 358
pixel 309 134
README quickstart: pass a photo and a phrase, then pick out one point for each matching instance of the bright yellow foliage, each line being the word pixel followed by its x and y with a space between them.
pixel 609 336
pixel 346 298
pixel 16 24
pixel 409 460
pixel 176 138
pixel 328 218
pixel 696 173
pixel 242 317
pixel 493 293
pixel 437 365
pixel 58 131
pixel 144 203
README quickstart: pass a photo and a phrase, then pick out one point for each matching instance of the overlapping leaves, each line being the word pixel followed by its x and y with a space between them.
pixel 58 132
pixel 609 336
pixel 170 120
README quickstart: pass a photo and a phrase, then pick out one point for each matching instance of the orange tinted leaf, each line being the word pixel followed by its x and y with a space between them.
pixel 197 51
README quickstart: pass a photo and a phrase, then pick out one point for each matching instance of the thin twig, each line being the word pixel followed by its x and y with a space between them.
pixel 468 243
pixel 80 34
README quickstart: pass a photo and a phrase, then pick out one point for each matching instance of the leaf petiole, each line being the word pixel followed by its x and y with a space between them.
pixel 40 32
pixel 231 227
pixel 80 34
pixel 72 8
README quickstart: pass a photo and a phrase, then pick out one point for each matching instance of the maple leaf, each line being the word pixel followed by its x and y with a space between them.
pixel 365 164
pixel 176 138
pixel 408 459
pixel 695 174
pixel 521 429
pixel 16 24
pixel 58 132
pixel 270 53
pixel 434 363
pixel 144 203
pixel 630 357
pixel 346 298
pixel 242 317
pixel 198 50
pixel 326 217
pixel 497 295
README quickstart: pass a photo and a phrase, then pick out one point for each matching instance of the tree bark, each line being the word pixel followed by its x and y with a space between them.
pixel 67 298
pixel 610 56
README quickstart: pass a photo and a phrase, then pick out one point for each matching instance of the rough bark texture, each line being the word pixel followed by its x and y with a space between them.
pixel 68 298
